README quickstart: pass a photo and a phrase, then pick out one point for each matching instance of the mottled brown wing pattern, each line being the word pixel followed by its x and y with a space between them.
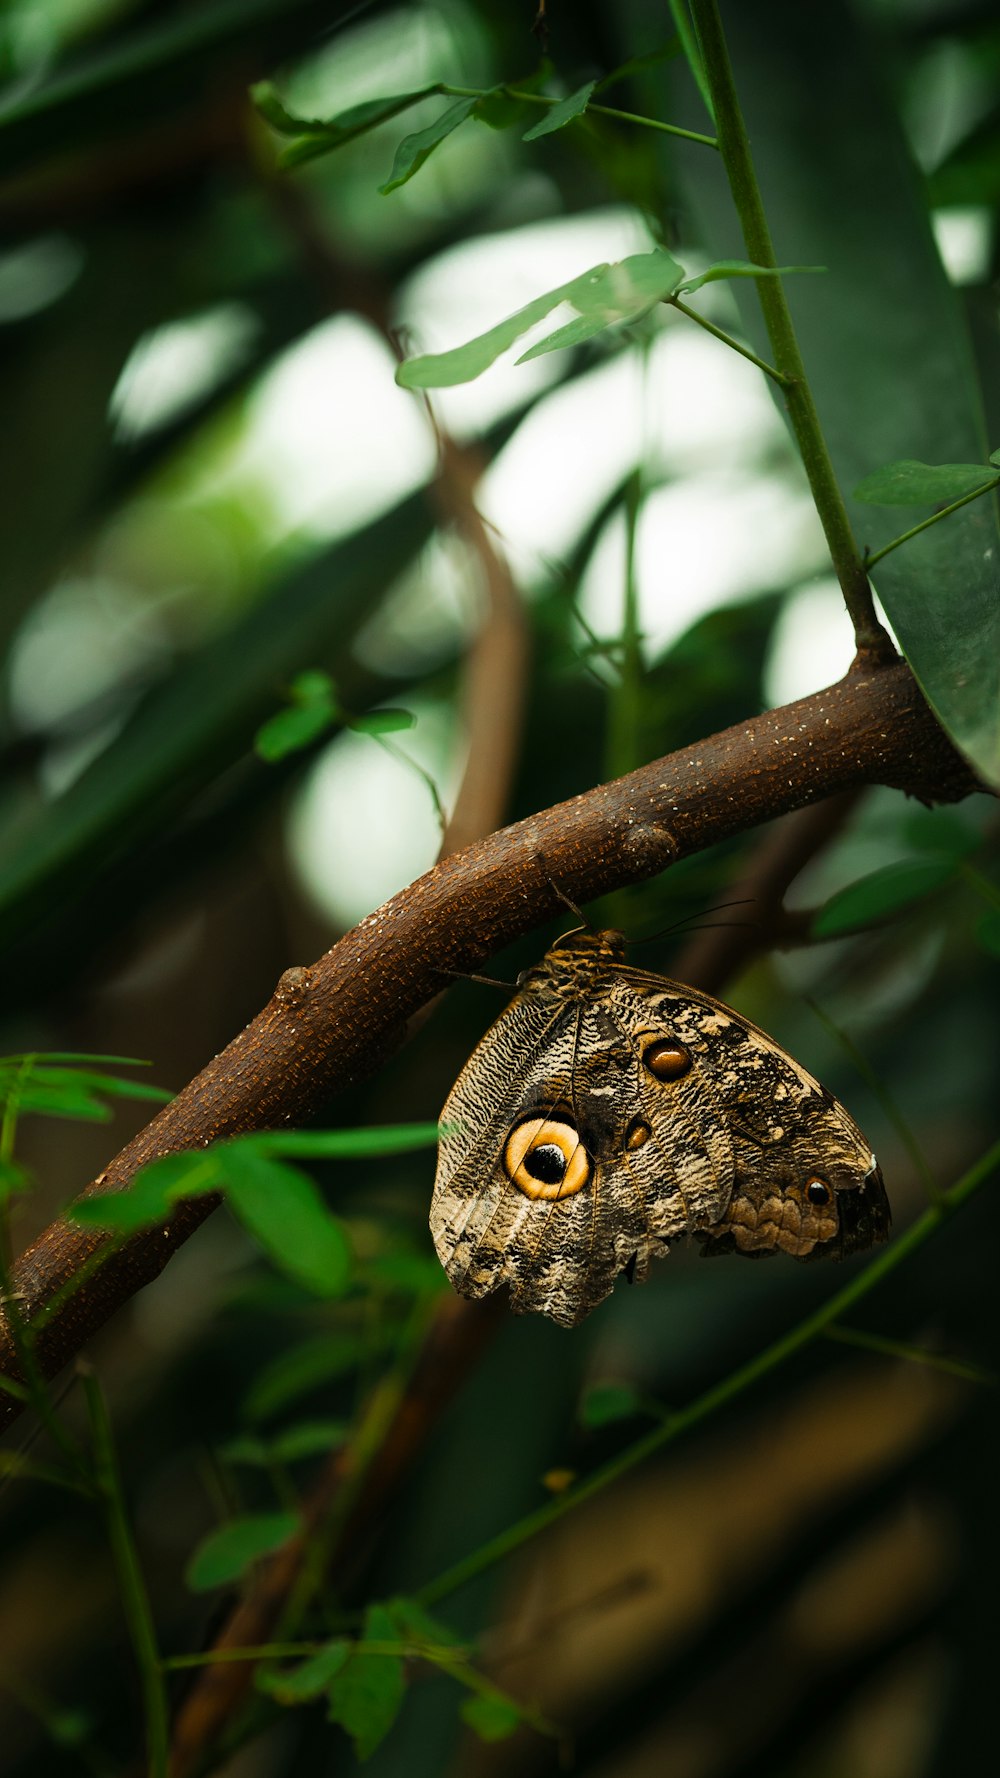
pixel 608 1111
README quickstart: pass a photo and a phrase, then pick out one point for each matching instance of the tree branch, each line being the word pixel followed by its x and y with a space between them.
pixel 334 1022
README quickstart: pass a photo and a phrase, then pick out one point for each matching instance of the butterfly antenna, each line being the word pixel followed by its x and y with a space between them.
pixel 567 900
pixel 677 925
pixel 488 981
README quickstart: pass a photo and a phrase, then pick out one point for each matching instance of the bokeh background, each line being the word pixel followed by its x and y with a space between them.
pixel 209 483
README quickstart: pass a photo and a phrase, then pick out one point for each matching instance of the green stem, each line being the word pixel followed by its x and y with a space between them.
pixel 623 752
pixel 934 519
pixel 734 146
pixel 135 1599
pixel 936 1361
pixel 727 339
pixel 720 1394
pixel 514 92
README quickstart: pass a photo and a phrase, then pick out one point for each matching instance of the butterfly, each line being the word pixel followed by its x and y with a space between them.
pixel 608 1112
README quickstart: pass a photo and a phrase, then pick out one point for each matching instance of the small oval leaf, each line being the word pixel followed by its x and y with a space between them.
pixel 415 149
pixel 383 722
pixel 562 114
pixel 307 1680
pixel 604 1403
pixel 366 1694
pixel 226 1554
pixel 883 893
pixel 909 483
pixel 283 1211
pixel 490 1717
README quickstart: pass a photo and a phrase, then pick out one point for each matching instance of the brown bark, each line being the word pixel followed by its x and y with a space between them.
pixel 333 1022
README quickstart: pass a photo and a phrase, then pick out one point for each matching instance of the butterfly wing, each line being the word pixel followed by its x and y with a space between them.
pixel 570 1160
pixel 806 1181
pixel 608 1111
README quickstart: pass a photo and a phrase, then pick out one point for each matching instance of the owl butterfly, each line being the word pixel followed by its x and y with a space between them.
pixel 608 1112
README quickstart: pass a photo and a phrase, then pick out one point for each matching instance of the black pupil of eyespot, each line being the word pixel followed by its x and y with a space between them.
pixel 817 1193
pixel 546 1163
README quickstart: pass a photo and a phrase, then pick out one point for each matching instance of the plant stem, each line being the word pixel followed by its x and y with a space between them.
pixel 720 1393
pixel 514 92
pixel 937 1361
pixel 934 519
pixel 734 146
pixel 135 1599
pixel 727 339
pixel 623 750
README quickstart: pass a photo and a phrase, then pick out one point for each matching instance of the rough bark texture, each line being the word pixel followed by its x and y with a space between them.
pixel 333 1022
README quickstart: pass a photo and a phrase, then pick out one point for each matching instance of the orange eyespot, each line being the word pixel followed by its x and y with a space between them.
pixel 666 1059
pixel 545 1158
pixel 817 1190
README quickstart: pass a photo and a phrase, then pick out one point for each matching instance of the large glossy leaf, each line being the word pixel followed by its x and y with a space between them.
pixel 151 68
pixel 882 334
pixel 199 721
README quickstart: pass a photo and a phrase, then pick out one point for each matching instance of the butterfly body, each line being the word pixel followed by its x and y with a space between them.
pixel 608 1112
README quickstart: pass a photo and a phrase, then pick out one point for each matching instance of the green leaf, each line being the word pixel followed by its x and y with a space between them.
pixel 313 708
pixel 741 268
pixel 316 136
pixel 284 1212
pixel 612 295
pixel 14 1180
pixel 498 110
pixel 313 686
pixel 988 932
pixel 604 295
pixel 274 111
pixel 414 1624
pixel 491 1717
pixel 562 114
pixel 884 336
pixel 309 1365
pixel 941 831
pixel 149 1197
pixel 288 731
pixel 348 1144
pixel 226 1554
pixel 382 722
pixel 882 894
pixel 255 1452
pixel 414 150
pixel 309 1438
pixel 604 1403
pixel 309 1679
pixel 85 1056
pixel 366 1694
pixel 641 64
pixel 37 1084
pixel 909 483
pixel 412 1274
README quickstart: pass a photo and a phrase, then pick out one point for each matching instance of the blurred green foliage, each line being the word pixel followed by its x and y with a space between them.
pixel 214 563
